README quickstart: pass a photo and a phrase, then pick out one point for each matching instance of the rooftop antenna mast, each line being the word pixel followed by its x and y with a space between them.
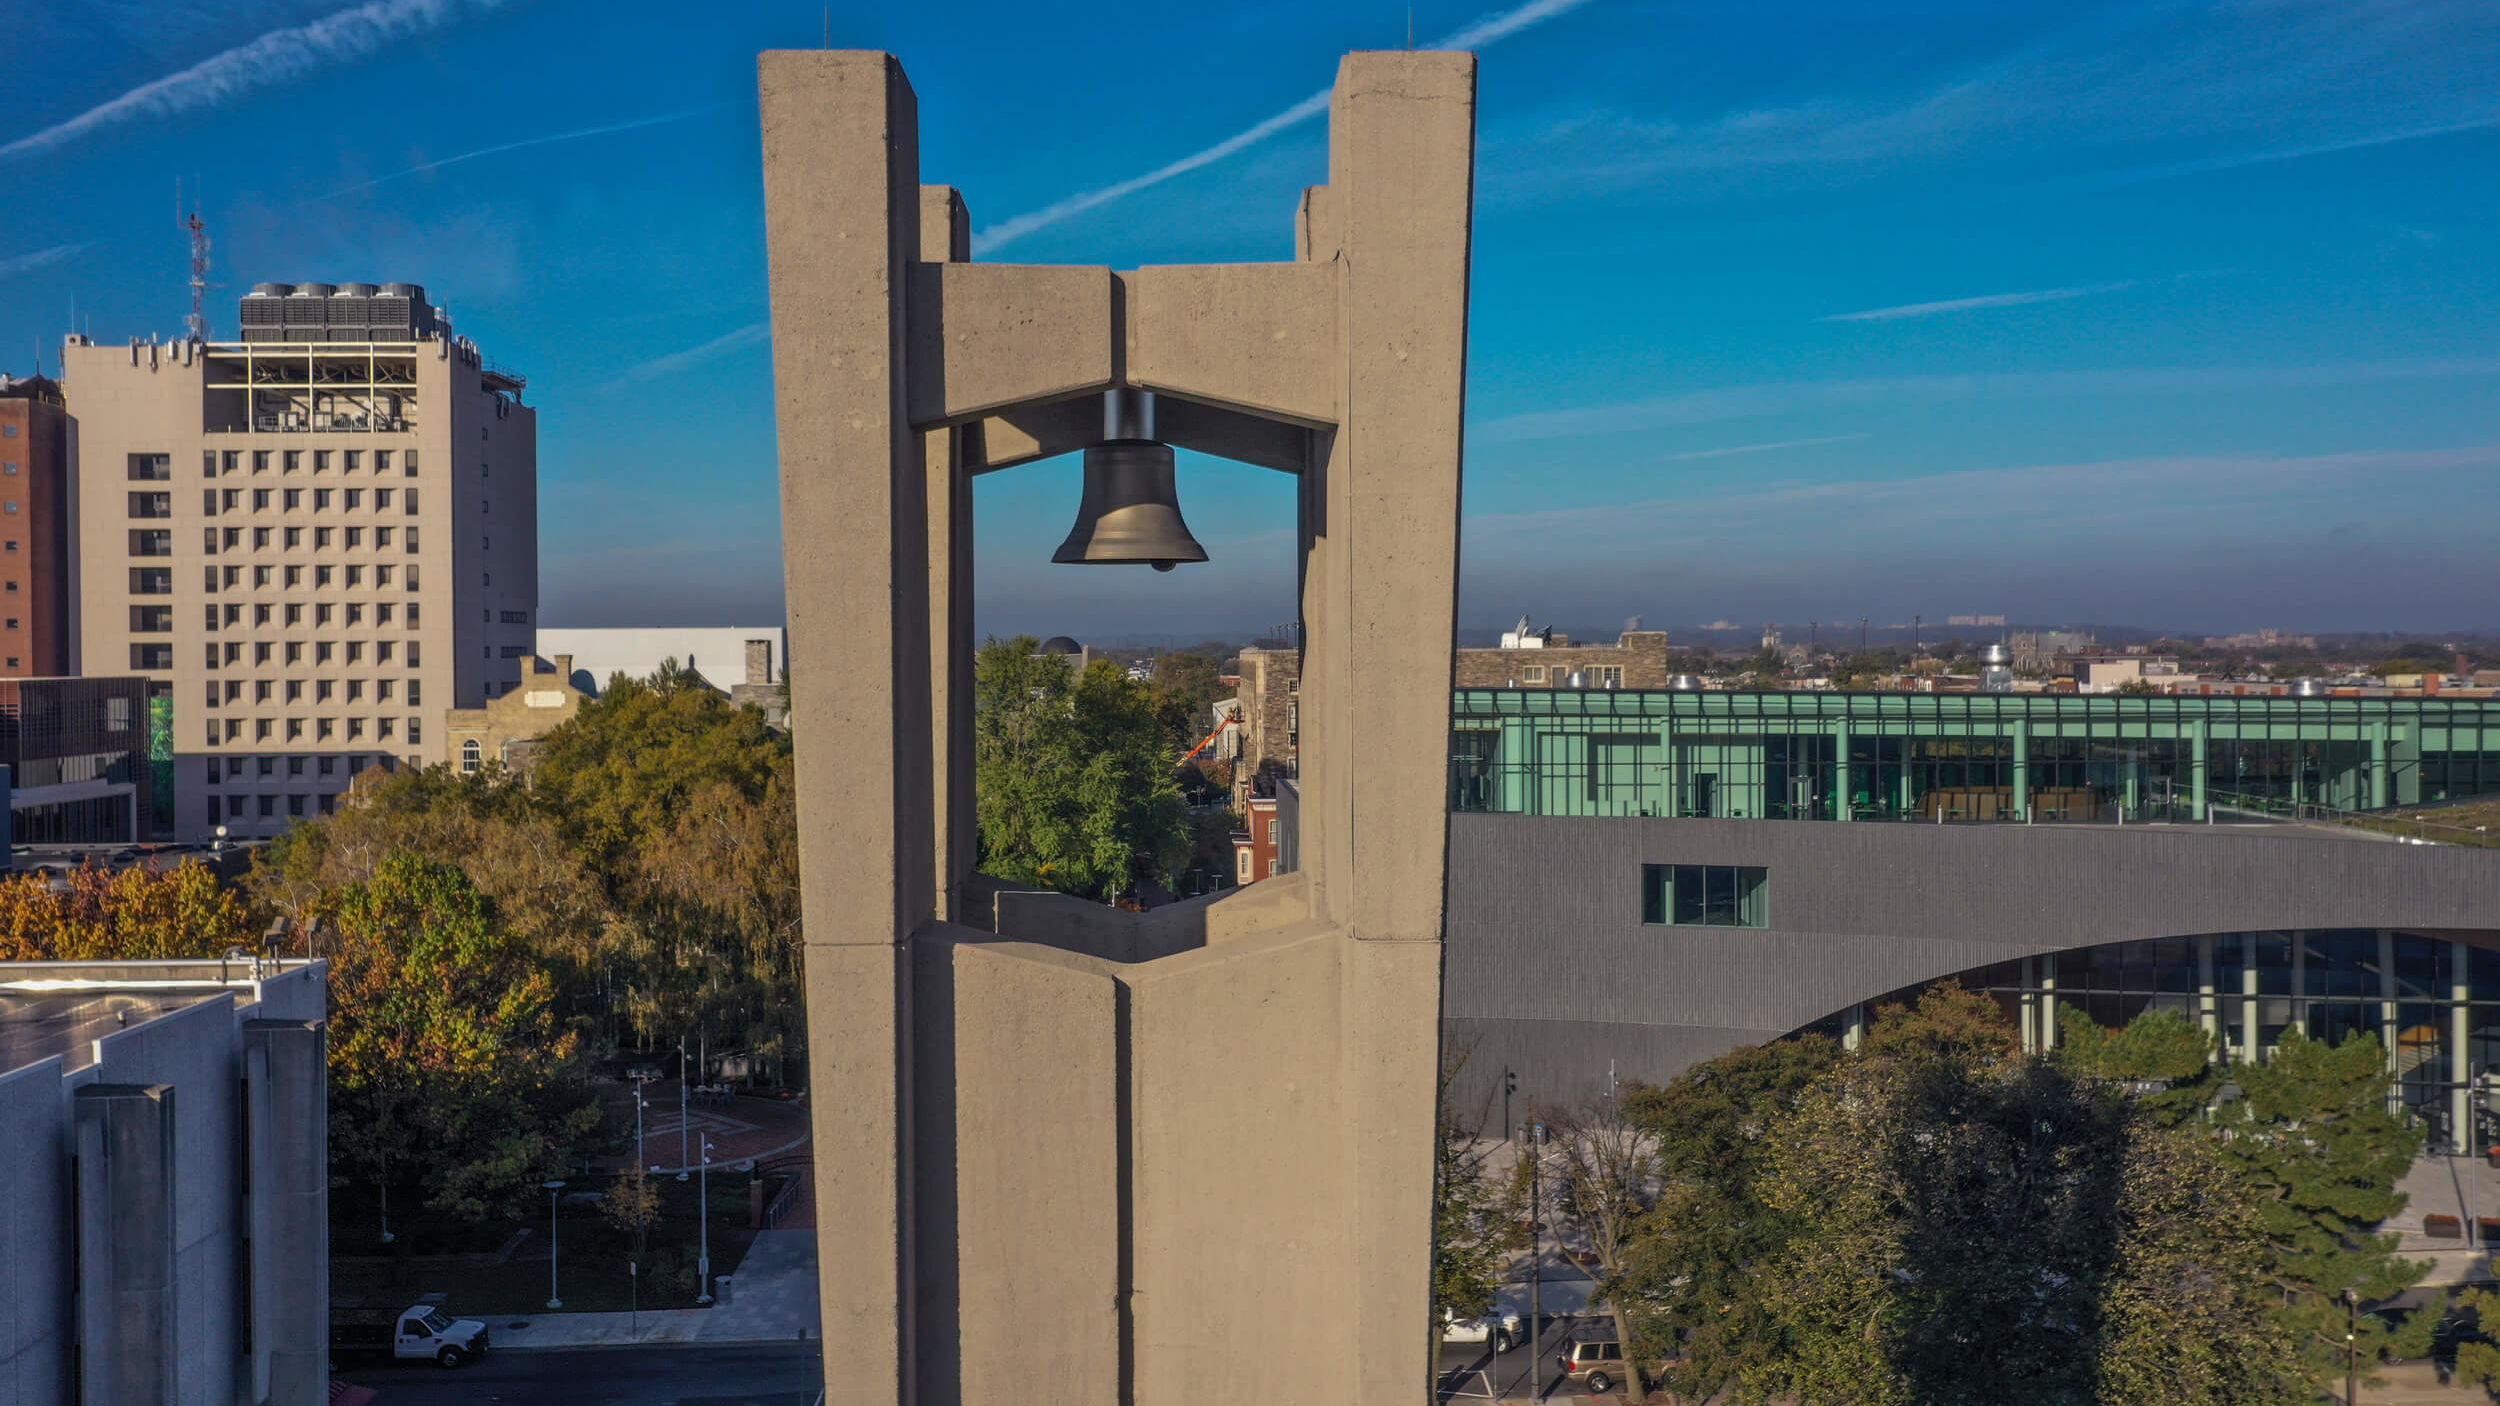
pixel 197 323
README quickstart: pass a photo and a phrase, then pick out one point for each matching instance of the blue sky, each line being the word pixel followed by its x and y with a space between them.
pixel 2172 314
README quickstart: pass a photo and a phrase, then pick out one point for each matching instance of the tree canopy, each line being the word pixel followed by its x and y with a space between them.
pixel 1072 774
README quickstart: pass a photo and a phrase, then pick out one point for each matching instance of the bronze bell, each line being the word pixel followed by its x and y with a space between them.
pixel 1131 509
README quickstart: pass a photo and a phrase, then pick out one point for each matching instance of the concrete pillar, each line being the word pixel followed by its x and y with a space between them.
pixel 2022 768
pixel 286 1115
pixel 2208 1011
pixel 2048 1003
pixel 1853 1027
pixel 1841 793
pixel 946 237
pixel 126 1290
pixel 2300 980
pixel 2461 1068
pixel 2251 1038
pixel 2378 797
pixel 2031 1006
pixel 2390 1034
pixel 2197 736
pixel 842 225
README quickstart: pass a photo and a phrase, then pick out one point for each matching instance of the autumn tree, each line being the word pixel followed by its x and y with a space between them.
pixel 449 1071
pixel 132 914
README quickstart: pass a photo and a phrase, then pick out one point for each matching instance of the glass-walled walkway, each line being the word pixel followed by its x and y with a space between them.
pixel 1960 757
pixel 2433 999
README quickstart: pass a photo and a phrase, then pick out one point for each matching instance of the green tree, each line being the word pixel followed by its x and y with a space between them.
pixel 624 767
pixel 1475 1228
pixel 2314 1140
pixel 1689 1282
pixel 448 1070
pixel 1073 777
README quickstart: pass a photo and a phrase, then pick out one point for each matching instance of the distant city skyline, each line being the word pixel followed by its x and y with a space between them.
pixel 2120 311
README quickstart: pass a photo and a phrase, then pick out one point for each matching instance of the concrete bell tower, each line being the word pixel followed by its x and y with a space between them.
pixel 1065 1153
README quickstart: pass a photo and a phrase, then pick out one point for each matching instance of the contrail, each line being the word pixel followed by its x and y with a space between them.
pixel 677 361
pixel 1490 29
pixel 41 258
pixel 275 57
pixel 1992 300
pixel 1760 448
pixel 528 142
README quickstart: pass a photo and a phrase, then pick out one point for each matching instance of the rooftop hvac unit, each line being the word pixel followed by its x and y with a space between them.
pixel 354 290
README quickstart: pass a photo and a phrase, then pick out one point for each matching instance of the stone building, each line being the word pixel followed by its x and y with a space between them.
pixel 506 728
pixel 1548 658
pixel 1271 721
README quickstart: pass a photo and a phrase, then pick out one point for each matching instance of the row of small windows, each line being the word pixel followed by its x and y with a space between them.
pixel 231 577
pixel 159 541
pixel 1706 895
pixel 237 809
pixel 267 691
pixel 231 500
pixel 215 462
pixel 323 652
pixel 236 768
pixel 323 729
pixel 159 619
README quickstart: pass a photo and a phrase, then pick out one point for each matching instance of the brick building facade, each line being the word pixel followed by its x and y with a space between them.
pixel 1548 659
pixel 1271 721
pixel 38 589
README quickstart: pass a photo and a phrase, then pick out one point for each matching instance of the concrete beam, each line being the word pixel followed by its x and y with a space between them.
pixel 1261 338
pixel 1024 433
pixel 1231 434
pixel 987 337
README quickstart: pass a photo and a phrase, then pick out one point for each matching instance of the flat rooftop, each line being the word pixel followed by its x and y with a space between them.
pixel 63 1008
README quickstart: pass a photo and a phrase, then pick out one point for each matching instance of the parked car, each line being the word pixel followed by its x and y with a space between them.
pixel 419 1333
pixel 1503 1328
pixel 1594 1358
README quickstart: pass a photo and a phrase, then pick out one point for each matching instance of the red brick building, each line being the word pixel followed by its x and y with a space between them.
pixel 38 589
pixel 1254 849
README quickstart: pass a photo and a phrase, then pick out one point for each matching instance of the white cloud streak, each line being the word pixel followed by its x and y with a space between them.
pixel 277 57
pixel 1881 393
pixel 674 362
pixel 1758 448
pixel 40 259
pixel 574 136
pixel 1992 300
pixel 1489 30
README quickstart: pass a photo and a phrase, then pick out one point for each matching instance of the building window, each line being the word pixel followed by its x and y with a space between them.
pixel 1609 676
pixel 1534 673
pixel 1706 895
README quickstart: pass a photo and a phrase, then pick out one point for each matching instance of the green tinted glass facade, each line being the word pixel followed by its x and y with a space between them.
pixel 1961 757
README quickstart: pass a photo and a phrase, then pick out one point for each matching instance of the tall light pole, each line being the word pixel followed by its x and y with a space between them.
pixel 682 1158
pixel 703 1218
pixel 554 1189
pixel 641 1149
pixel 1536 1255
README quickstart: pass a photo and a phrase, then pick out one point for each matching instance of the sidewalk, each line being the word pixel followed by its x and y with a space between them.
pixel 772 1298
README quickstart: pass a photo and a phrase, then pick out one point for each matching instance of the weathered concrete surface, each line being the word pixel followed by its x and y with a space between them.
pixel 127 1294
pixel 1137 1150
pixel 36 1253
pixel 842 223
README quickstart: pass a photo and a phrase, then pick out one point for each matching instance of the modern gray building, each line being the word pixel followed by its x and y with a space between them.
pixel 1640 881
pixel 164 1183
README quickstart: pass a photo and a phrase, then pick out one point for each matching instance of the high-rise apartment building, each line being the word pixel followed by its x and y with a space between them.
pixel 38 558
pixel 310 541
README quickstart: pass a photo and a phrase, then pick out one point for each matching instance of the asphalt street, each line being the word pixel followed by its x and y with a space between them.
pixel 765 1375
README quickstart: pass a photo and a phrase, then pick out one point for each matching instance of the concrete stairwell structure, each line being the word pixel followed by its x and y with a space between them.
pixel 1065 1153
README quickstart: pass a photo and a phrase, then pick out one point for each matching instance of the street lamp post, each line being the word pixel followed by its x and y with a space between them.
pixel 682 1159
pixel 1536 1256
pixel 641 1149
pixel 554 1189
pixel 703 1218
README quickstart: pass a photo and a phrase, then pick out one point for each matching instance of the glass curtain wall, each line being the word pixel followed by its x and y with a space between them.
pixel 1961 757
pixel 2431 998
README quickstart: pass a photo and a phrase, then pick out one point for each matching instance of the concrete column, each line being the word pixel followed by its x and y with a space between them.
pixel 1401 166
pixel 126 1290
pixel 2200 729
pixel 1840 770
pixel 2208 1011
pixel 2250 1036
pixel 1853 1027
pixel 842 225
pixel 2022 768
pixel 946 237
pixel 2460 1048
pixel 2048 1003
pixel 2378 799
pixel 286 1114
pixel 2390 1035
pixel 2031 1007
pixel 2300 981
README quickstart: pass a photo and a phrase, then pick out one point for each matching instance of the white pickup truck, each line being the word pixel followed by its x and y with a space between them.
pixel 1503 1328
pixel 421 1333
